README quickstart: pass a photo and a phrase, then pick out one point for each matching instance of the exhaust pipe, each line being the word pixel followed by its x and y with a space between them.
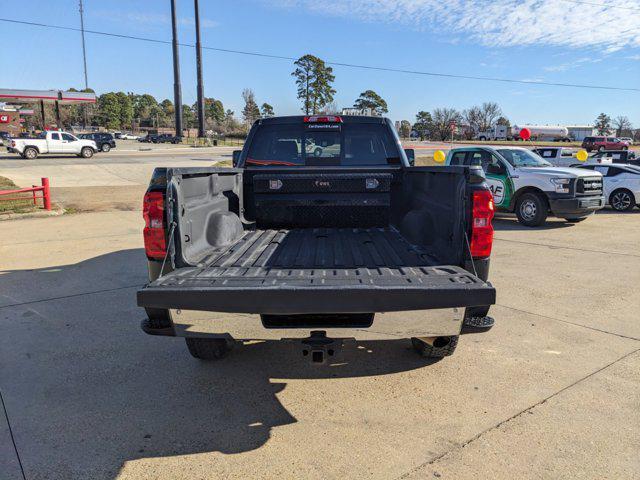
pixel 437 342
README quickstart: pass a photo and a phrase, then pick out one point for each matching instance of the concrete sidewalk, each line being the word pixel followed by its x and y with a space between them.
pixel 553 391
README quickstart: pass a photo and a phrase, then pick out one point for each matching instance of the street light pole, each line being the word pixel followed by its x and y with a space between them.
pixel 201 132
pixel 177 90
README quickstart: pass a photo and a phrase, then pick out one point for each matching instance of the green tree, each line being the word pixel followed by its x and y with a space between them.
pixel 167 107
pixel 143 105
pixel 370 99
pixel 405 129
pixel 314 80
pixel 126 109
pixel 424 124
pixel 443 118
pixel 109 110
pixel 213 110
pixel 250 112
pixel 188 117
pixel 603 124
pixel 267 110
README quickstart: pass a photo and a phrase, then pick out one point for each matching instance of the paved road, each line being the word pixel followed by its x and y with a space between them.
pixel 551 392
pixel 116 168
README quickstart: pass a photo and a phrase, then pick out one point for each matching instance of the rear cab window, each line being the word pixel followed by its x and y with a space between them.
pixel 323 144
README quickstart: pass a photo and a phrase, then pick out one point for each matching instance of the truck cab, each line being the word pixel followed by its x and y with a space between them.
pixel 524 183
pixel 322 228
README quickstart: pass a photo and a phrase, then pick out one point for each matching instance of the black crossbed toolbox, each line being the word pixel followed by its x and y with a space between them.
pixel 305 271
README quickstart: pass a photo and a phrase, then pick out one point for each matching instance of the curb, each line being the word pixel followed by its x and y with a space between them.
pixel 37 214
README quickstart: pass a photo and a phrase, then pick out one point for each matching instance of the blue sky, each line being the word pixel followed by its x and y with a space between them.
pixel 546 40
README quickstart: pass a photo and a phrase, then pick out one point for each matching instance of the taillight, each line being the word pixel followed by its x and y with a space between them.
pixel 323 119
pixel 155 242
pixel 481 227
pixel 13 143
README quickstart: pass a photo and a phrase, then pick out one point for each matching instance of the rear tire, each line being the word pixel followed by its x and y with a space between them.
pixel 30 153
pixel 86 152
pixel 106 147
pixel 209 348
pixel 622 200
pixel 442 347
pixel 531 209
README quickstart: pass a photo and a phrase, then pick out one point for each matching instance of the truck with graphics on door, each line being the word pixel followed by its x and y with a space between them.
pixel 524 183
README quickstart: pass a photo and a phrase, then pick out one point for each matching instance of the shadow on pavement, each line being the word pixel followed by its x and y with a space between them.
pixel 87 390
pixel 511 223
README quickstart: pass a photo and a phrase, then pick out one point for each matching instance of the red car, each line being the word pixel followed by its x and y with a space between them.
pixel 603 143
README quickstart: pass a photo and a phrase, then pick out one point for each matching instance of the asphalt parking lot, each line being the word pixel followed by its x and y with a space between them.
pixel 551 392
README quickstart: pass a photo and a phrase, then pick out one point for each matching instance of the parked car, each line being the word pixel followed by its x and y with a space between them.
pixel 353 232
pixel 52 142
pixel 4 138
pixel 523 183
pixel 627 140
pixel 621 185
pixel 129 136
pixel 148 138
pixel 104 141
pixel 117 135
pixel 558 156
pixel 617 156
pixel 166 138
pixel 603 143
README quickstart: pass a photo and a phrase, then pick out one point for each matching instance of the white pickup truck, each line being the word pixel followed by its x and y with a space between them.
pixel 524 183
pixel 52 142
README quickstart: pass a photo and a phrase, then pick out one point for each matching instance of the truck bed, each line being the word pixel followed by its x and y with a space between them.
pixel 319 270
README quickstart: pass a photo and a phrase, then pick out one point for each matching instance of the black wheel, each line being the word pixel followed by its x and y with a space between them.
pixel 30 153
pixel 576 220
pixel 317 152
pixel 209 348
pixel 86 152
pixel 482 139
pixel 106 147
pixel 622 200
pixel 441 346
pixel 531 209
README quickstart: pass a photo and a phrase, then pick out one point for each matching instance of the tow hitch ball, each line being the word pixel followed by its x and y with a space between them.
pixel 318 347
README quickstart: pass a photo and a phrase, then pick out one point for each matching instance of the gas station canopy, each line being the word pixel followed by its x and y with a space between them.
pixel 56 97
pixel 46 96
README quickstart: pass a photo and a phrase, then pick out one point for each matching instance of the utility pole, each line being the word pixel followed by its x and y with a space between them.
pixel 84 50
pixel 177 89
pixel 84 59
pixel 201 132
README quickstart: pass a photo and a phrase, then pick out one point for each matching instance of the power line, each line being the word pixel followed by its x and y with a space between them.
pixel 338 64
pixel 605 5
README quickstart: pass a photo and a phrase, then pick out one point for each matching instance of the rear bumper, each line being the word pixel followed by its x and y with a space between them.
pixel 577 206
pixel 430 323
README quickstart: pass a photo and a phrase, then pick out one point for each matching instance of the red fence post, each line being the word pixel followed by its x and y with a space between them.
pixel 46 198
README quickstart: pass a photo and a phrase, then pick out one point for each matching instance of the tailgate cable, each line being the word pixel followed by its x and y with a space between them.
pixel 170 240
pixel 473 264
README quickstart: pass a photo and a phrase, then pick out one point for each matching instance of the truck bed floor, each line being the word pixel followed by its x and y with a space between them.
pixel 320 249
